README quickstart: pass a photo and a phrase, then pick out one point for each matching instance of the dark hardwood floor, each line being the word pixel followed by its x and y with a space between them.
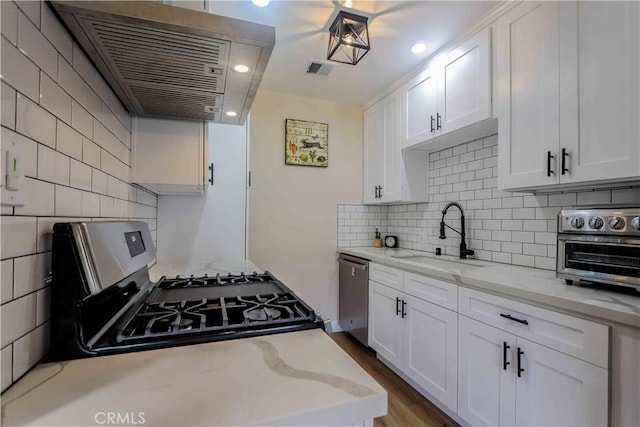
pixel 407 407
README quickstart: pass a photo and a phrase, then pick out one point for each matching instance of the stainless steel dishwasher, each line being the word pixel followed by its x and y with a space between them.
pixel 354 297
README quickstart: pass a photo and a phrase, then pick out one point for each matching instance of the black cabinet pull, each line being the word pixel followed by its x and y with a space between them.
pixel 505 347
pixel 510 317
pixel 380 191
pixel 564 161
pixel 438 122
pixel 404 313
pixel 433 123
pixel 549 157
pixel 520 368
pixel 397 306
pixel 211 178
pixel 376 192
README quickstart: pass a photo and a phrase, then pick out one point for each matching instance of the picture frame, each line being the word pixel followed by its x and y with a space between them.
pixel 306 143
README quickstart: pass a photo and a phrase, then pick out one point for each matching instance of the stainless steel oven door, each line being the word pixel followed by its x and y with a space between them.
pixel 605 259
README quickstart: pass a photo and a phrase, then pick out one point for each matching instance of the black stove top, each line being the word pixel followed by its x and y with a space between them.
pixel 90 319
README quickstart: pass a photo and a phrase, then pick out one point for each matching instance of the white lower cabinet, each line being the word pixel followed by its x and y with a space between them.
pixel 489 359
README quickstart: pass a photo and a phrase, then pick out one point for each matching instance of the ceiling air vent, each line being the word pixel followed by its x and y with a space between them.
pixel 319 68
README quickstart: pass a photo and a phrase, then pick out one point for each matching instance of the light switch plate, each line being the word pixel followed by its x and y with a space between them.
pixel 12 173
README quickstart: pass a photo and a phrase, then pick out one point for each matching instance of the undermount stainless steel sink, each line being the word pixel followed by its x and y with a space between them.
pixel 451 260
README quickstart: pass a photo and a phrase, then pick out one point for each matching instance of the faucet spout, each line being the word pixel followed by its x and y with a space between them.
pixel 463 245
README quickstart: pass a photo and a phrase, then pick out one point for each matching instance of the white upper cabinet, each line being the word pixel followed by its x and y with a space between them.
pixel 169 155
pixel 464 86
pixel 567 76
pixel 388 175
pixel 599 90
pixel 451 94
pixel 420 106
pixel 528 93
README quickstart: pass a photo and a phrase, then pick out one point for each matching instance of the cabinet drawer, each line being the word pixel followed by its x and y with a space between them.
pixel 576 337
pixel 386 275
pixel 432 290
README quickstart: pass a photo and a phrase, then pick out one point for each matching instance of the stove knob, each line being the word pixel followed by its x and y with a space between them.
pixel 577 222
pixel 635 223
pixel 616 223
pixel 595 222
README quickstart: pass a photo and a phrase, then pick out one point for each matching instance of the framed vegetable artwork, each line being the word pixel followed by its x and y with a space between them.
pixel 306 143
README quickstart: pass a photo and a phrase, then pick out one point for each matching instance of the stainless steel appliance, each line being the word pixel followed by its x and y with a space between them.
pixel 354 296
pixel 103 301
pixel 599 245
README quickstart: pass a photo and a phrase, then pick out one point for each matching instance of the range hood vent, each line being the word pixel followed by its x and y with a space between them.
pixel 167 61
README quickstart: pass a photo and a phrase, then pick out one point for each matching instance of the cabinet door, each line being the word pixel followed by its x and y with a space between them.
pixel 373 151
pixel 558 390
pixel 600 46
pixel 528 89
pixel 486 390
pixel 431 349
pixel 391 190
pixel 464 86
pixel 385 325
pixel 419 105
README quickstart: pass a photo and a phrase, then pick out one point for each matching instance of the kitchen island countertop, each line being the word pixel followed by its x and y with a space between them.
pixel 296 378
pixel 531 284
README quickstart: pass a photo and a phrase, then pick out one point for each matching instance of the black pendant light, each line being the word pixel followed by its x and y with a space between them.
pixel 348 38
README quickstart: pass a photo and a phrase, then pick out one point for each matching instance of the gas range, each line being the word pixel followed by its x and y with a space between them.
pixel 103 301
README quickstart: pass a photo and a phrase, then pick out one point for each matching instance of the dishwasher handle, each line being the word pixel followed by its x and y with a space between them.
pixel 357 266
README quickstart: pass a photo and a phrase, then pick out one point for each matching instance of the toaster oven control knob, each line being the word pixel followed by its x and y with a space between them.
pixel 635 223
pixel 616 223
pixel 577 222
pixel 596 223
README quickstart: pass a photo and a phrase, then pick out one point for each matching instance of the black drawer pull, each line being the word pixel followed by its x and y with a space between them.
pixel 549 157
pixel 510 317
pixel 397 306
pixel 520 368
pixel 505 347
pixel 404 313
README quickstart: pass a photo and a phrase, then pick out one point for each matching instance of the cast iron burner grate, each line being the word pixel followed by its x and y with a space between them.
pixel 170 318
pixel 206 280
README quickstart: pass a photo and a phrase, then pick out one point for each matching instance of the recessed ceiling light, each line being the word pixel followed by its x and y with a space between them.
pixel 241 68
pixel 418 48
pixel 260 3
pixel 231 113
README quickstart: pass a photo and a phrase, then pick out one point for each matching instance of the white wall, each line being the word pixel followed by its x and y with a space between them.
pixel 193 228
pixel 292 209
pixel 77 161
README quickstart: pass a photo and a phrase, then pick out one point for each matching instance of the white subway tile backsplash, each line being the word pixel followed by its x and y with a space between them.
pixel 37 47
pixel 29 350
pixel 83 66
pixel 627 195
pixel 38 198
pixel 43 305
pixel 6 356
pixel 53 166
pixel 54 98
pixel 92 101
pixel 29 273
pixel 81 120
pixel 18 236
pixel 70 80
pixel 99 182
pixel 69 141
pixel 29 151
pixel 90 153
pixel 9 25
pixel 80 176
pixel 31 9
pixel 44 232
pixel 562 199
pixel 90 204
pixel 17 317
pixel 18 71
pixel 68 201
pixel 594 198
pixel 35 122
pixel 55 32
pixel 8 106
pixel 6 282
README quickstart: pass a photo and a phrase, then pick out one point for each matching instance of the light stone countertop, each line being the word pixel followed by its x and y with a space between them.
pixel 532 284
pixel 296 378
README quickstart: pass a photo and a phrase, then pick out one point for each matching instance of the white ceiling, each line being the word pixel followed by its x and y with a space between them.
pixel 394 26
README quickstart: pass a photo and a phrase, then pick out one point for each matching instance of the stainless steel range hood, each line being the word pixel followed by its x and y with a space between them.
pixel 167 61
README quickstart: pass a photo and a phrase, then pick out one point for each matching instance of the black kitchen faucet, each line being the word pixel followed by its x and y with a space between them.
pixel 463 245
